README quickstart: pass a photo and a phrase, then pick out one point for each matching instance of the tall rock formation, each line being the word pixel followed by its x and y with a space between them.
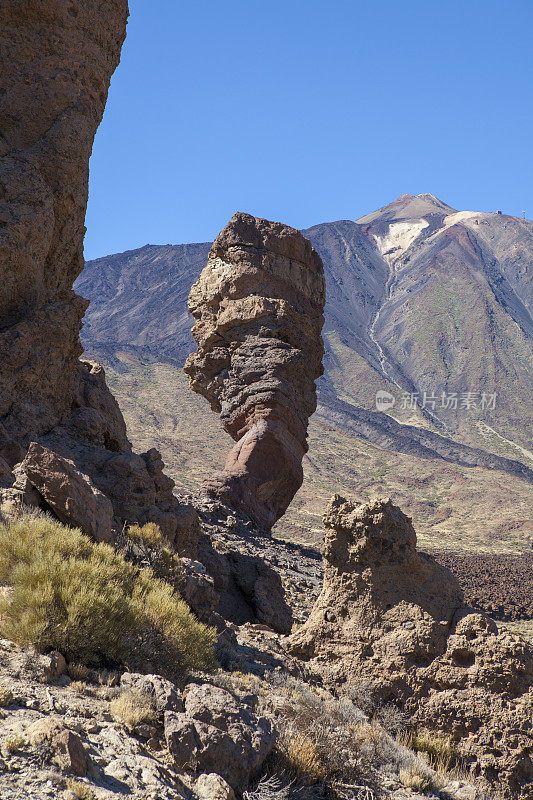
pixel 57 62
pixel 391 622
pixel 258 311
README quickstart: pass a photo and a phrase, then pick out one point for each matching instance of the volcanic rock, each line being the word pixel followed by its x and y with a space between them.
pixel 69 493
pixel 217 732
pixel 162 691
pixel 258 311
pixel 238 556
pixel 57 61
pixel 69 750
pixel 391 621
pixel 384 609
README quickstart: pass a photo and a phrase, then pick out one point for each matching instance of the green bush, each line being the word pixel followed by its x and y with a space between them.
pixel 146 544
pixel 85 600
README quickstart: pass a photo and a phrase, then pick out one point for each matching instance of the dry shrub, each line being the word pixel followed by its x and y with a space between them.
pixel 440 750
pixel 85 600
pixel 145 544
pixel 315 732
pixel 415 778
pixel 78 672
pixel 80 687
pixel 300 758
pixel 80 790
pixel 6 696
pixel 348 746
pixel 133 708
pixel 14 743
pixel 149 534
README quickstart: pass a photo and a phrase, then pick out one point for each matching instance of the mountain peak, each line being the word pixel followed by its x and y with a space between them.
pixel 409 207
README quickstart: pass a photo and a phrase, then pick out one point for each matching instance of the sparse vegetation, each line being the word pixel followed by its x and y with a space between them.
pixel 6 696
pixel 80 790
pixel 152 550
pixel 416 779
pixel 301 759
pixel 78 686
pixel 323 739
pixel 133 708
pixel 338 459
pixel 14 744
pixel 440 750
pixel 75 596
pixel 78 672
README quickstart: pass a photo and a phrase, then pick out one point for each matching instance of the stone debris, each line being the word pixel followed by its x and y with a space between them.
pixel 211 786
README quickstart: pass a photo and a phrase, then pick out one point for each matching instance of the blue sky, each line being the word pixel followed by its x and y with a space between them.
pixel 309 111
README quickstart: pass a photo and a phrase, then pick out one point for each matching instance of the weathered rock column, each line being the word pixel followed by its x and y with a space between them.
pixel 56 62
pixel 258 310
pixel 57 59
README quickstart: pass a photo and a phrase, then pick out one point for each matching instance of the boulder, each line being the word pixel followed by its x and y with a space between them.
pixel 211 786
pixel 162 691
pixel 258 311
pixel 217 733
pixel 53 664
pixel 71 495
pixel 70 753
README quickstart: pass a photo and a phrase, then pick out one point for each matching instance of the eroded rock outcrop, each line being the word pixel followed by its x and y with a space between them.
pixel 57 61
pixel 384 607
pixel 391 621
pixel 258 318
pixel 70 494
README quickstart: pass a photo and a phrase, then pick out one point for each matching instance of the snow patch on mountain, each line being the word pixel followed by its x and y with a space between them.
pixel 459 216
pixel 398 238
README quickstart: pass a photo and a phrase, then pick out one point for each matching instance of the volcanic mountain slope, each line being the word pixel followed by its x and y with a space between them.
pixel 420 298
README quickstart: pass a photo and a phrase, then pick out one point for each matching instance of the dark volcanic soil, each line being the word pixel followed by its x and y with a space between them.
pixel 502 586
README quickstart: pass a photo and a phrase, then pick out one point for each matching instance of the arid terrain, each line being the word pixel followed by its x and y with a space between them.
pixel 420 298
pixel 318 589
pixel 453 507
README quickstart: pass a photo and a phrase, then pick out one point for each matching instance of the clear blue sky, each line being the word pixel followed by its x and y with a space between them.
pixel 309 111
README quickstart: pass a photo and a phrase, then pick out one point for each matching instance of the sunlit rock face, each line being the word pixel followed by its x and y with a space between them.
pixel 391 622
pixel 57 61
pixel 258 311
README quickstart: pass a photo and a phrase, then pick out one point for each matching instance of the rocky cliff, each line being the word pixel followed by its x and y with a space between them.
pixel 258 311
pixel 57 62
